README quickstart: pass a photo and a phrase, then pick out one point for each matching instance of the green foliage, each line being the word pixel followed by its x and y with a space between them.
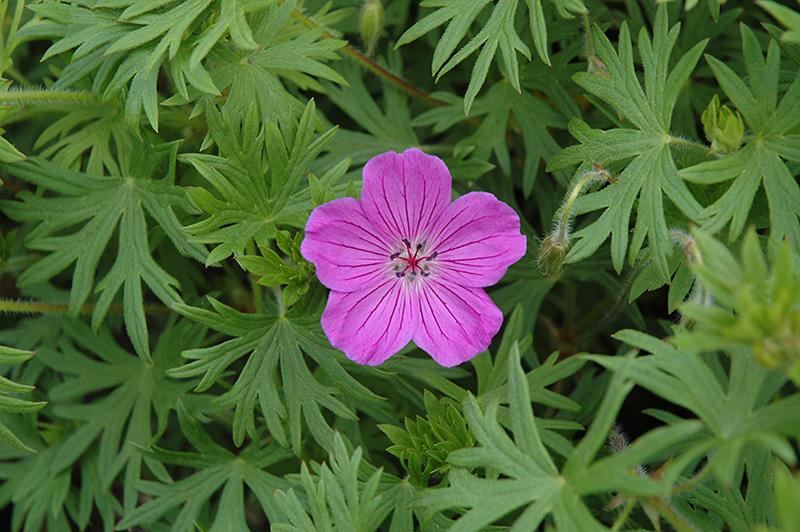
pixel 98 206
pixel 649 173
pixel 729 403
pixel 167 368
pixel 499 31
pixel 8 389
pixel 755 305
pixel 787 497
pixel 217 469
pixel 786 16
pixel 531 479
pixel 256 174
pixel 723 127
pixel 761 161
pixel 424 444
pixel 337 500
pixel 274 345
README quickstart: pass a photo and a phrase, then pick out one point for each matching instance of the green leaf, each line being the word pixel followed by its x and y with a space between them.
pixel 93 208
pixel 500 105
pixel 217 470
pixel 274 345
pixel 498 31
pixel 761 162
pixel 786 16
pixel 125 44
pixel 131 398
pixel 753 304
pixel 529 485
pixel 256 180
pixel 288 54
pixel 337 500
pixel 8 403
pixel 787 498
pixel 423 445
pixel 644 150
pixel 735 412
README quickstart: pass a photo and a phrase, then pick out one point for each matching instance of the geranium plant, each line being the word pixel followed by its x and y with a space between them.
pixel 356 265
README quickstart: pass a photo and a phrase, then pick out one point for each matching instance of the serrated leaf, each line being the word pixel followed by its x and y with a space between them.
pixel 645 150
pixel 274 347
pixel 96 207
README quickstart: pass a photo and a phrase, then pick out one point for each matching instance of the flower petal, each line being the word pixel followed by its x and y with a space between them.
pixel 476 239
pixel 404 193
pixel 455 323
pixel 372 324
pixel 348 252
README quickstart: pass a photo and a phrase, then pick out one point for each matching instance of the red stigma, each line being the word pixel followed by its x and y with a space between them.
pixel 412 260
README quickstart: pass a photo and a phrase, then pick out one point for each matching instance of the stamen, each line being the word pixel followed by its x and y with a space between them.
pixel 410 260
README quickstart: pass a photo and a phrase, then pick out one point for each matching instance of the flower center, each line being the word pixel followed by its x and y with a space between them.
pixel 412 261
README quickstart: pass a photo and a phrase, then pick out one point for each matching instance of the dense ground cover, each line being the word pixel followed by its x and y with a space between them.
pixel 629 170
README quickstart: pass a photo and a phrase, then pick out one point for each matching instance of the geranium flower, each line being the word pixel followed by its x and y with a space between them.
pixel 404 263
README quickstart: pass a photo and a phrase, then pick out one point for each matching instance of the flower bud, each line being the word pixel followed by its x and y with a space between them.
pixel 597 67
pixel 687 243
pixel 554 248
pixel 370 23
pixel 723 127
pixel 552 252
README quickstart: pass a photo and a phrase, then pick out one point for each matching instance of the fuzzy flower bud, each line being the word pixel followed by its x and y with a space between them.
pixel 687 243
pixel 551 253
pixel 554 248
pixel 723 127
pixel 370 23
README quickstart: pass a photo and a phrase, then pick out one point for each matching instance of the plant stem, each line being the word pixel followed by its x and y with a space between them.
pixel 279 300
pixel 690 483
pixel 255 288
pixel 680 141
pixel 566 210
pixel 37 307
pixel 369 64
pixel 25 98
pixel 597 173
pixel 623 516
pixel 587 30
pixel 669 513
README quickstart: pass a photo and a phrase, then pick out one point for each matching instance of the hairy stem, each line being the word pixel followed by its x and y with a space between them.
pixel 37 307
pixel 623 516
pixel 369 64
pixel 587 30
pixel 26 98
pixel 671 515
pixel 691 144
pixel 597 173
pixel 690 483
pixel 255 288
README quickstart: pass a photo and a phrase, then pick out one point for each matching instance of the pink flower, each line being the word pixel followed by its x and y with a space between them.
pixel 404 263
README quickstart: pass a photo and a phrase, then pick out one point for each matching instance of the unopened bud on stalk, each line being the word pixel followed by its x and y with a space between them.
pixel 552 253
pixel 699 295
pixel 555 246
pixel 723 127
pixel 370 23
pixel 688 245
